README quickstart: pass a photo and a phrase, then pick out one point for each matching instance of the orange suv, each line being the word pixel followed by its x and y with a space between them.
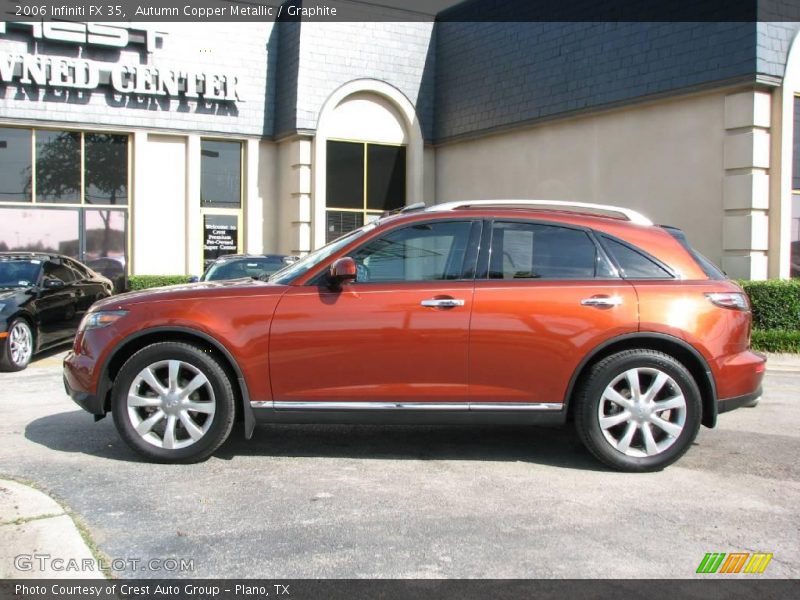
pixel 516 312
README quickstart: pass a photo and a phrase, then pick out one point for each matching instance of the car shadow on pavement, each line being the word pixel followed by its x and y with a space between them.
pixel 539 445
pixel 75 431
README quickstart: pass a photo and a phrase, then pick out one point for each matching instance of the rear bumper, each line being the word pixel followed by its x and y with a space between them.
pixel 730 404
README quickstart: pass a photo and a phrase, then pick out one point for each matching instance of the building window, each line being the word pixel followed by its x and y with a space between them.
pixel 220 198
pixel 58 166
pixel 105 168
pixel 66 167
pixel 220 174
pixel 363 181
pixel 53 187
pixel 15 165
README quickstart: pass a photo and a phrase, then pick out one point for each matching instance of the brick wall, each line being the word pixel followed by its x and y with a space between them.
pixel 491 75
pixel 332 54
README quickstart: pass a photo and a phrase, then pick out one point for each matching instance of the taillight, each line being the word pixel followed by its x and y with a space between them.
pixel 732 300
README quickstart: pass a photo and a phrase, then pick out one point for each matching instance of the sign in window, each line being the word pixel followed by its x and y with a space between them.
pixel 220 236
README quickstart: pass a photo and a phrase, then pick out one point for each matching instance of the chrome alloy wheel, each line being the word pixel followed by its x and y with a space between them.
pixel 642 412
pixel 171 404
pixel 20 343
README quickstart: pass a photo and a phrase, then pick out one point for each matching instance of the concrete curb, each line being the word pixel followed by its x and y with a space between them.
pixel 38 539
pixel 783 362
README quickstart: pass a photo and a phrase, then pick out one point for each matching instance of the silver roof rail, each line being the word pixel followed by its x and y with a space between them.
pixel 630 214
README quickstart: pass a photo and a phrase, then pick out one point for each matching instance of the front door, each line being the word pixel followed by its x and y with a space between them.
pixel 546 297
pixel 399 333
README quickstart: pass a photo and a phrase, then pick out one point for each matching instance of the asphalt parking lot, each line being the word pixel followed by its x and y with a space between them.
pixel 404 502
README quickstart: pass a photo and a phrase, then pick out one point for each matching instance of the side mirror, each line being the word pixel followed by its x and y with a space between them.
pixel 52 283
pixel 343 269
pixel 194 279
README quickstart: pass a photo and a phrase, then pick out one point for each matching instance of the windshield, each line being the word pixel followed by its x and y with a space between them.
pixel 305 264
pixel 19 273
pixel 245 267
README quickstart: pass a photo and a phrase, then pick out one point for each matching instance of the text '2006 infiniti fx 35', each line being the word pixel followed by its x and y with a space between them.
pixel 521 312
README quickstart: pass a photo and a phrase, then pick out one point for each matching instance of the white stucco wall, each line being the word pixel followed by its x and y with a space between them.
pixel 665 159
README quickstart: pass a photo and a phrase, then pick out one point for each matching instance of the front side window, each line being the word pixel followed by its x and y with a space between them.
pixel 422 252
pixel 537 251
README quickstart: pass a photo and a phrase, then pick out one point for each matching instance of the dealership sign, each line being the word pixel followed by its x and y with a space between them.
pixel 82 74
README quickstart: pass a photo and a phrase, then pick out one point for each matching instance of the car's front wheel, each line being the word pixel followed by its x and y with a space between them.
pixel 638 410
pixel 173 402
pixel 17 350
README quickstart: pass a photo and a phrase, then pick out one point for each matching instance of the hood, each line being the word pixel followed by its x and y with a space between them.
pixel 191 291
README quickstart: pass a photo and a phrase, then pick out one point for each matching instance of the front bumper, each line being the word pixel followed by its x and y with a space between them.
pixel 76 384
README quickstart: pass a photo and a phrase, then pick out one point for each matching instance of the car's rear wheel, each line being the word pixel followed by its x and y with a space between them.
pixel 638 410
pixel 17 350
pixel 173 402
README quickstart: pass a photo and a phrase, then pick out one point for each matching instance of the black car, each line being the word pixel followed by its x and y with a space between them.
pixel 235 266
pixel 43 298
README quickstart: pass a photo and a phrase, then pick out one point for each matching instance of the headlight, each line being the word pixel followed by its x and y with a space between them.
pixel 101 318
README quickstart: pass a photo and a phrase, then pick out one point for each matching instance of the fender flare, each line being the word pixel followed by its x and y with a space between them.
pixel 104 381
pixel 710 408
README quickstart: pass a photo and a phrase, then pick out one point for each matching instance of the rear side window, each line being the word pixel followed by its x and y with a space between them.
pixel 537 251
pixel 634 264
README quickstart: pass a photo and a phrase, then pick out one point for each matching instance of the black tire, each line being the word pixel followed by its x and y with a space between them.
pixel 590 394
pixel 7 361
pixel 193 360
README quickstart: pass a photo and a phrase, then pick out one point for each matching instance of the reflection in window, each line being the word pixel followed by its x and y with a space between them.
pixel 106 164
pixel 15 164
pixel 58 166
pixel 425 252
pixel 39 230
pixel 533 251
pixel 220 174
pixel 104 234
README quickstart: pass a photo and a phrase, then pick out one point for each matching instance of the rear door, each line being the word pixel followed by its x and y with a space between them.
pixel 546 295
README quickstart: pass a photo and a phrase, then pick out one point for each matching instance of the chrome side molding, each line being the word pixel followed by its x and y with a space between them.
pixel 378 406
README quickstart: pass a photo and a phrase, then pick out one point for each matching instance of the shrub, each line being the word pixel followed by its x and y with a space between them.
pixel 776 340
pixel 143 282
pixel 776 304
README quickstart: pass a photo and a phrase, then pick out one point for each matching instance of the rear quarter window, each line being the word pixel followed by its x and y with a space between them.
pixel 634 264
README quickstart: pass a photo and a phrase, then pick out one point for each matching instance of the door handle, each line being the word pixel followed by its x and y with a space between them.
pixel 602 301
pixel 442 302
